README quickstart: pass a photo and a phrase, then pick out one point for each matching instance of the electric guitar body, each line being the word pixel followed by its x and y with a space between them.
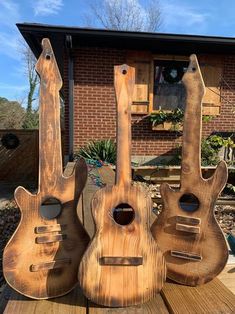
pixel 187 231
pixel 42 257
pixel 123 265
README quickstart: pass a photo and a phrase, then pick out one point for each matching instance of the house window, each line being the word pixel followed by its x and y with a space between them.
pixel 158 82
pixel 169 91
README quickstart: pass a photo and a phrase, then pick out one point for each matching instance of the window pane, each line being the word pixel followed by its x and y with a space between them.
pixel 169 91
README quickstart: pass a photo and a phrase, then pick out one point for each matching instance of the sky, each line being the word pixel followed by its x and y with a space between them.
pixel 198 17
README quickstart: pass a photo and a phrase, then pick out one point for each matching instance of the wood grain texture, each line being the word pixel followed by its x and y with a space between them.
pixel 212 297
pixel 154 306
pixel 122 285
pixel 72 303
pixel 22 251
pixel 210 242
pixel 227 277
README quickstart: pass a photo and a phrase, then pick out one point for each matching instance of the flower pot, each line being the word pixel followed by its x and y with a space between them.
pixel 168 126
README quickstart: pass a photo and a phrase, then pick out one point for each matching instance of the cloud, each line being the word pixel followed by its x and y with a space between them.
pixel 12 87
pixel 13 91
pixel 47 7
pixel 182 16
pixel 9 13
pixel 9 45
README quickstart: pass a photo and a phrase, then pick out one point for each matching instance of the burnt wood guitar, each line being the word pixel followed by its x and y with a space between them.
pixel 42 257
pixel 187 232
pixel 123 264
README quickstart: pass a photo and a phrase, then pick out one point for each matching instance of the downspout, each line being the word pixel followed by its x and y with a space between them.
pixel 71 91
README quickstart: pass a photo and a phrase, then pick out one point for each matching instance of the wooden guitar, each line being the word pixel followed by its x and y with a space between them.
pixel 186 230
pixel 123 264
pixel 42 257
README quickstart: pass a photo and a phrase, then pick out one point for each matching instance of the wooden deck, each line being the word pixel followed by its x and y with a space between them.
pixel 214 297
pixel 227 277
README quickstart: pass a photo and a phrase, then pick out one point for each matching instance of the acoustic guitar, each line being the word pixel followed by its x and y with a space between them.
pixel 42 257
pixel 123 264
pixel 187 232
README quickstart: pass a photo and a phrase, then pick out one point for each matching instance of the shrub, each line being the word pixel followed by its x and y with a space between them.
pixel 104 150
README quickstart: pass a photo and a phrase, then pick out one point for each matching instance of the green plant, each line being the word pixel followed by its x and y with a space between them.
pixel 207 118
pixel 104 150
pixel 175 116
pixel 211 147
pixel 209 150
pixel 209 153
pixel 31 120
pixel 229 189
pixel 158 118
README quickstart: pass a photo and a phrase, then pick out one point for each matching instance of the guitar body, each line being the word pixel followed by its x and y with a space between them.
pixel 42 257
pixel 187 232
pixel 123 265
pixel 118 284
pixel 209 243
pixel 23 253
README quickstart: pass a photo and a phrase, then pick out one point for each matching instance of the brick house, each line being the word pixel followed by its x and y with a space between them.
pixel 86 58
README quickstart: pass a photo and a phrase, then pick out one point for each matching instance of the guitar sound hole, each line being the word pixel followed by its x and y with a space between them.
pixel 189 202
pixel 50 209
pixel 123 214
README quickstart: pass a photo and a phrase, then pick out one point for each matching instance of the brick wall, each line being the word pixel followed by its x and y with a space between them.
pixel 95 109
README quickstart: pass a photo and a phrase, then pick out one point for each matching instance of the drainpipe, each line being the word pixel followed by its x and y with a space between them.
pixel 71 89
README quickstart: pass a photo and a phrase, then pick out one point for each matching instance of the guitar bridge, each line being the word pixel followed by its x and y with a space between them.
pixel 186 255
pixel 188 224
pixel 188 220
pixel 121 261
pixel 50 239
pixel 49 228
pixel 50 265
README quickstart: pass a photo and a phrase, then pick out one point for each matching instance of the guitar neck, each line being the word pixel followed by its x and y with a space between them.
pixel 191 148
pixel 50 156
pixel 124 87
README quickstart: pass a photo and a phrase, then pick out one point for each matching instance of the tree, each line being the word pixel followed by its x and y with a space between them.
pixel 30 62
pixel 128 15
pixel 31 120
pixel 12 114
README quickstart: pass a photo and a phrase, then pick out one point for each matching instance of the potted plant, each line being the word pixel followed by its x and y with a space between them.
pixel 167 121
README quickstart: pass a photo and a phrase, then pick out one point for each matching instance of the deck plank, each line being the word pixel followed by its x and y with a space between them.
pixel 154 306
pixel 227 277
pixel 72 303
pixel 212 297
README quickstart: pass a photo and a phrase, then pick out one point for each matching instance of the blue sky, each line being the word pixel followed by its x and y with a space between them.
pixel 179 16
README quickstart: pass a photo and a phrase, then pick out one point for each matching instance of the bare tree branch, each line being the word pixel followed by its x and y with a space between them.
pixel 33 80
pixel 125 15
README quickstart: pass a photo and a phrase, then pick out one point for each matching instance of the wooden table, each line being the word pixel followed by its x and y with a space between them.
pixel 212 297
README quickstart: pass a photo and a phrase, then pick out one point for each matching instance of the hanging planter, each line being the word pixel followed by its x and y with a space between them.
pixel 167 121
pixel 168 126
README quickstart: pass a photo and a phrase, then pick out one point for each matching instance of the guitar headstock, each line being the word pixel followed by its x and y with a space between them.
pixel 46 66
pixel 124 74
pixel 193 78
